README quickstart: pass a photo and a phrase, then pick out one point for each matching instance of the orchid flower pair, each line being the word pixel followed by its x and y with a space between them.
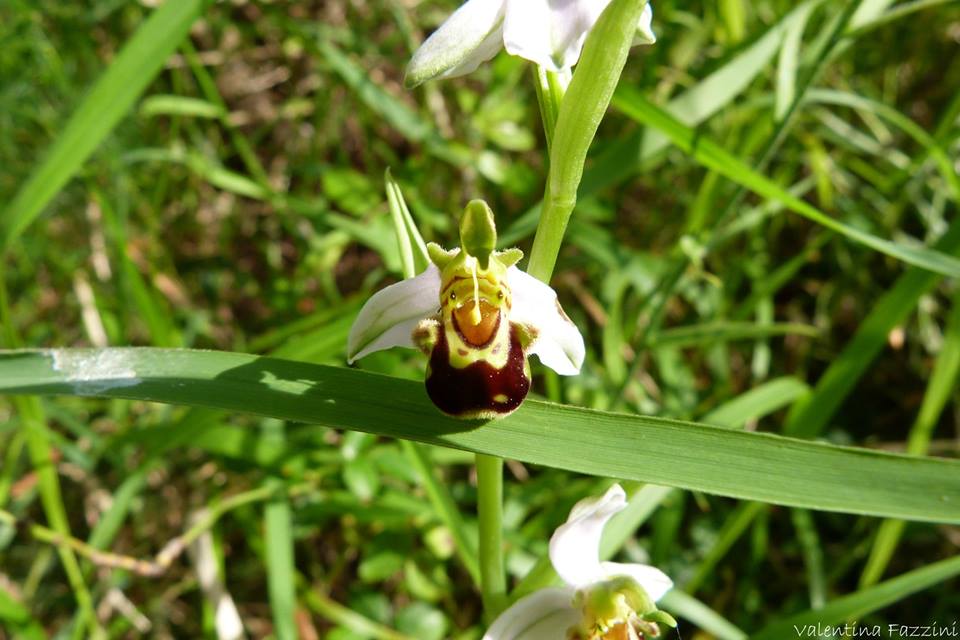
pixel 550 33
pixel 599 600
pixel 477 318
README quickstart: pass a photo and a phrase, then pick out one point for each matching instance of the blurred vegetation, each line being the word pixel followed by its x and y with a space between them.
pixel 240 206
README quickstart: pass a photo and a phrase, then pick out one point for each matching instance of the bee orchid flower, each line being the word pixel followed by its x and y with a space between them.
pixel 598 600
pixel 550 33
pixel 477 318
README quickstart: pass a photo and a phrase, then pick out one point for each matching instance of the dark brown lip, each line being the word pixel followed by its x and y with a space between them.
pixel 469 392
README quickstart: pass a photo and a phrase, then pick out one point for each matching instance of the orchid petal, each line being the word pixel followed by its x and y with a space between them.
pixel 389 317
pixel 654 582
pixel 575 545
pixel 545 614
pixel 549 32
pixel 470 36
pixel 558 342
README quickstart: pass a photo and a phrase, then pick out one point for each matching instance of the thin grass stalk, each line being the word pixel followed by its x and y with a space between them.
pixel 939 390
pixel 34 427
pixel 678 267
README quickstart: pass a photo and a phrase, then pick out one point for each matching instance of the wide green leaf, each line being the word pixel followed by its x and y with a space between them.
pixel 754 466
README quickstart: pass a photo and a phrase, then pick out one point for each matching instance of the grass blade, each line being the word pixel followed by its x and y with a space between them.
pixel 335 612
pixel 108 101
pixel 279 549
pixel 902 122
pixel 857 605
pixel 405 120
pixel 686 606
pixel 810 415
pixel 712 156
pixel 445 507
pixel 942 384
pixel 757 402
pixel 183 106
pixel 713 332
pixel 734 526
pixel 788 62
pixel 755 466
pixel 812 553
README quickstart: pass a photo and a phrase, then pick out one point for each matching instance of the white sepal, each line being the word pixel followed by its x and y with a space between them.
pixel 471 35
pixel 552 32
pixel 549 32
pixel 654 582
pixel 389 317
pixel 575 545
pixel 545 614
pixel 558 344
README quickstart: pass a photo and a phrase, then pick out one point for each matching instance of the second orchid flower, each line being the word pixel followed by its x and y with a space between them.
pixel 550 33
pixel 598 600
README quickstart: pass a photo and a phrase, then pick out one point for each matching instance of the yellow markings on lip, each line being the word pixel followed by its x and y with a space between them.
pixel 485 278
pixel 475 317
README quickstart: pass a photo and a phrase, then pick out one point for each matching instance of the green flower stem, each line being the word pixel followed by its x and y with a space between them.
pixel 582 108
pixel 571 115
pixel 493 580
pixel 278 544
